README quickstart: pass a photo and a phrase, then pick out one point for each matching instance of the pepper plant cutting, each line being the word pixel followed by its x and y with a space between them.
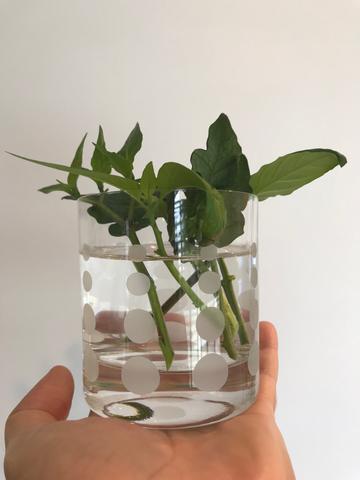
pixel 211 215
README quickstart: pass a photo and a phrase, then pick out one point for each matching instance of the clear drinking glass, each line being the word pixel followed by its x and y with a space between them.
pixel 170 315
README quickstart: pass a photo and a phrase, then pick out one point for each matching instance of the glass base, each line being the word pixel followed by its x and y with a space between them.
pixel 166 410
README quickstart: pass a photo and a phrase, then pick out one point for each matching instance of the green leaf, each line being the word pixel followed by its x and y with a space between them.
pixel 99 160
pixel 174 176
pixel 292 171
pixel 119 209
pixel 185 213
pixel 76 163
pixel 222 164
pixel 235 220
pixel 148 182
pixel 195 218
pixel 58 187
pixel 126 184
pixel 123 160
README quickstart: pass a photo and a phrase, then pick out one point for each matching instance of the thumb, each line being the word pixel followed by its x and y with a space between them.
pixel 48 401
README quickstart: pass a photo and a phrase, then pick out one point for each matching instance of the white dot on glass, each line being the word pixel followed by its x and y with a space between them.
pixel 208 253
pixel 254 314
pixel 139 375
pixel 137 253
pixel 87 281
pixel 209 282
pixel 139 326
pixel 89 320
pixel 91 365
pixel 210 372
pixel 253 249
pixel 138 283
pixel 246 299
pixel 85 252
pixel 253 359
pixel 254 276
pixel 210 323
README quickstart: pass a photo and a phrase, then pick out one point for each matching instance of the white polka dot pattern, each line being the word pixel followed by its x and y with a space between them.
pixel 246 299
pixel 210 323
pixel 85 252
pixel 89 320
pixel 210 372
pixel 209 282
pixel 254 314
pixel 137 253
pixel 253 359
pixel 208 253
pixel 138 283
pixel 91 365
pixel 139 375
pixel 254 276
pixel 139 326
pixel 87 281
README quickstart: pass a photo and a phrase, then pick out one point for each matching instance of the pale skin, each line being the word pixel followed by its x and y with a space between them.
pixel 41 444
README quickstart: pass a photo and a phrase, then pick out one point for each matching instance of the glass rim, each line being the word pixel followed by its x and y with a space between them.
pixel 251 195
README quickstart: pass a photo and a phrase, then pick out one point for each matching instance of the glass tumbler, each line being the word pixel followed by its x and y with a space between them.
pixel 170 307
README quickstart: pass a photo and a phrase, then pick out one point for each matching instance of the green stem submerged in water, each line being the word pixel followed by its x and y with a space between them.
pixel 227 280
pixel 164 339
pixel 174 271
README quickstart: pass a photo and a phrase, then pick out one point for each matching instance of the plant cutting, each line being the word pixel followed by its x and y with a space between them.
pixel 186 337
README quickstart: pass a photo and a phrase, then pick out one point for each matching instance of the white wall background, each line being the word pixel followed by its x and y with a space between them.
pixel 288 75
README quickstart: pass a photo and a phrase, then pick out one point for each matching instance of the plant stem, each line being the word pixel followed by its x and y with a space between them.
pixel 231 324
pixel 173 270
pixel 230 328
pixel 164 339
pixel 230 294
pixel 179 293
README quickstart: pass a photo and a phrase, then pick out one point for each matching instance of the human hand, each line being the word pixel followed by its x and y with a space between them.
pixel 42 445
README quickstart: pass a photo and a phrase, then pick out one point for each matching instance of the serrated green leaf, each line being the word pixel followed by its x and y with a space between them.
pixel 222 164
pixel 292 171
pixel 119 209
pixel 126 184
pixel 99 161
pixel 76 163
pixel 123 160
pixel 235 220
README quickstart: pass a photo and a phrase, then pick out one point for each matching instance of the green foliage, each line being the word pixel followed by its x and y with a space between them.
pixel 128 185
pixel 99 160
pixel 71 186
pixel 123 160
pixel 199 206
pixel 235 220
pixel 209 212
pixel 292 171
pixel 76 163
pixel 118 209
pixel 222 164
pixel 59 187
